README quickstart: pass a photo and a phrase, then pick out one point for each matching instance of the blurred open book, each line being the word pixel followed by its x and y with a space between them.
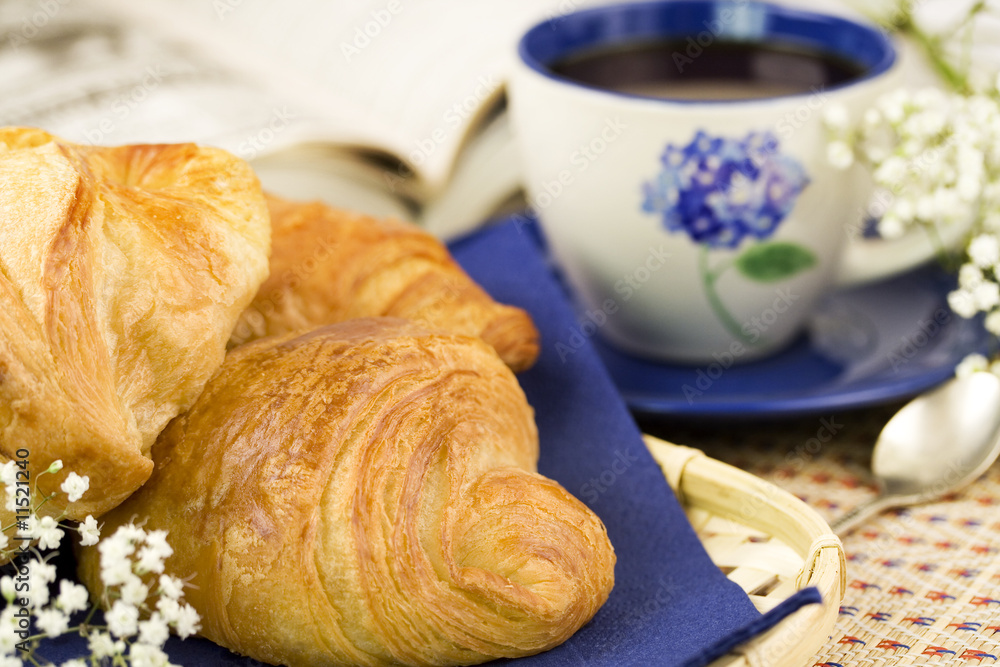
pixel 386 106
pixel 390 106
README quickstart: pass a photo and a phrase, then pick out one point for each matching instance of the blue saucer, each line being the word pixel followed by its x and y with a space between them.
pixel 867 345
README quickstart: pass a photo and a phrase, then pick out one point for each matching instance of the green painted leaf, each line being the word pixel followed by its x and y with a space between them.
pixel 774 261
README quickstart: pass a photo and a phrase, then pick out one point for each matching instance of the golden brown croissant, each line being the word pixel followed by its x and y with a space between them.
pixel 365 494
pixel 123 272
pixel 329 265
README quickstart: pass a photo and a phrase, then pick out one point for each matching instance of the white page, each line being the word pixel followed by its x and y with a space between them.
pixel 92 74
pixel 416 68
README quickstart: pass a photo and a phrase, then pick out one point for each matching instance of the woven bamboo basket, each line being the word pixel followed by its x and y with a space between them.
pixel 766 540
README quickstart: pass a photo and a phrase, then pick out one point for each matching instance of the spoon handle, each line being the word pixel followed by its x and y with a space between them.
pixel 851 520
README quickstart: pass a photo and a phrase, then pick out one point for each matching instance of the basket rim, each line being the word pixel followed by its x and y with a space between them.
pixel 702 482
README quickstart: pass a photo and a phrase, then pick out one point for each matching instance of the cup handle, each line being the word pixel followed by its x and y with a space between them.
pixel 866 260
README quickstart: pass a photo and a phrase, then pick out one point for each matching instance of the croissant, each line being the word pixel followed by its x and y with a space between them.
pixel 329 265
pixel 365 494
pixel 123 272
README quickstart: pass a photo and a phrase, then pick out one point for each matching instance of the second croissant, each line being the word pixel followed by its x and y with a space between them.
pixel 365 494
pixel 329 265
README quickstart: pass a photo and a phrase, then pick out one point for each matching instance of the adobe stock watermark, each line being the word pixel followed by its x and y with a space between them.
pixel 595 487
pixel 765 491
pixel 696 44
pixel 582 157
pixel 792 121
pixel 661 598
pixel 754 329
pixel 123 105
pixel 364 35
pixel 910 345
pixel 32 24
pixel 627 286
pixel 883 198
pixel 451 120
pixel 806 451
pixel 563 9
pixel 254 144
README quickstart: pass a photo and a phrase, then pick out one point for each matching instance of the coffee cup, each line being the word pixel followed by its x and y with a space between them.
pixel 675 154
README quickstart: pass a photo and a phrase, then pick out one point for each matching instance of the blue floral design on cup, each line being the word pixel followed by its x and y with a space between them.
pixel 720 191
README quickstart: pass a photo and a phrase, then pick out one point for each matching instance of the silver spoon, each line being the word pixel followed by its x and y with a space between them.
pixel 937 443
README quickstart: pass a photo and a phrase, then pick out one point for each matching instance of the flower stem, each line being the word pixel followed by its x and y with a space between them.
pixel 931 47
pixel 708 279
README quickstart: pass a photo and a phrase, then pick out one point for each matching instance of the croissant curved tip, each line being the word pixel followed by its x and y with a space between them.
pixel 514 336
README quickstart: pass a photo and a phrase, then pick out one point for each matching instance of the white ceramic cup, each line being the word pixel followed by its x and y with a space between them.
pixel 693 229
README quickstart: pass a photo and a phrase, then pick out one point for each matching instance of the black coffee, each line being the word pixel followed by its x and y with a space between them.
pixel 720 71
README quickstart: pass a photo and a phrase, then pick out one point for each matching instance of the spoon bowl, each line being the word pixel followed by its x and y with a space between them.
pixel 936 444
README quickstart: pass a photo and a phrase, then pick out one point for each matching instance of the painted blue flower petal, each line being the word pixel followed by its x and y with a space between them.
pixel 720 190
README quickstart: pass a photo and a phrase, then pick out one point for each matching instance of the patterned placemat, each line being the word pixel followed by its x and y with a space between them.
pixel 923 583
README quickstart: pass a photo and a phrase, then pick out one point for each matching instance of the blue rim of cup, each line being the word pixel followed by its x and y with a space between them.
pixel 751 21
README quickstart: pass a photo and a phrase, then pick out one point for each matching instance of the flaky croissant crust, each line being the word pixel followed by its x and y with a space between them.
pixel 329 265
pixel 122 272
pixel 366 494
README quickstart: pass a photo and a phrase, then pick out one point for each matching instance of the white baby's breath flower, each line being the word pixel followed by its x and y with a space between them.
pixel 891 227
pixel 116 568
pixel 171 587
pixel 119 574
pixel 926 207
pixel 984 250
pixel 892 105
pixel 835 117
pixel 134 592
pixel 170 609
pixel 903 208
pixel 154 631
pixel 992 323
pixel 986 295
pixel 4 541
pixel 143 655
pixel 963 303
pixel 10 661
pixel 187 622
pixel 949 206
pixel 969 276
pixel 8 639
pixel 48 533
pixel 51 621
pixel 969 187
pixel 8 473
pixel 149 560
pixel 90 534
pixel 973 363
pixel 122 619
pixel 991 221
pixel 75 662
pixel 72 597
pixel 74 486
pixel 839 155
pixel 101 645
pixel 157 550
pixel 891 172
pixel 44 571
pixel 130 533
pixel 7 588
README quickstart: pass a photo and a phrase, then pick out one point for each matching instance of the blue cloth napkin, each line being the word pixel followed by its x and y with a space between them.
pixel 670 605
